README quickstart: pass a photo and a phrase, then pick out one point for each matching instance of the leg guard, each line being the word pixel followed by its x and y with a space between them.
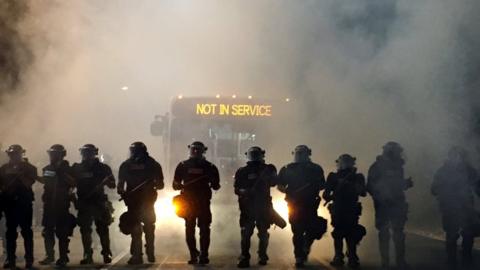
pixel 49 241
pixel 104 235
pixel 384 245
pixel 467 246
pixel 86 233
pixel 204 240
pixel 190 237
pixel 149 230
pixel 399 242
pixel 246 233
pixel 27 235
pixel 136 244
pixel 263 237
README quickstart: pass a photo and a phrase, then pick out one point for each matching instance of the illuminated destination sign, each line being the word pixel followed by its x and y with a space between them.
pixel 223 109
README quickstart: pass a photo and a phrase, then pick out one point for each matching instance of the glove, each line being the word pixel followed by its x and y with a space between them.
pixel 282 188
pixel 216 187
pixel 159 185
pixel 120 190
pixel 177 186
pixel 408 183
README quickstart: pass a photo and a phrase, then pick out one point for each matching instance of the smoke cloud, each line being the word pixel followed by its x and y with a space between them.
pixel 360 73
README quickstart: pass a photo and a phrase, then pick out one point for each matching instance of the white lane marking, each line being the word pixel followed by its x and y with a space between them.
pixel 116 259
pixel 163 261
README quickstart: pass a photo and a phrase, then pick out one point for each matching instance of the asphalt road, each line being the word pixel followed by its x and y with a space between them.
pixel 171 252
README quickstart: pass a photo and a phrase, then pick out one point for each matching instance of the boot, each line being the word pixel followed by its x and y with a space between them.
pixel 135 260
pixel 87 259
pixel 203 260
pixel 299 262
pixel 204 244
pixel 28 244
pixel 191 243
pixel 399 241
pixel 246 233
pixel 338 258
pixel 353 261
pixel 107 258
pixel 104 236
pixel 150 242
pixel 337 261
pixel 384 246
pixel 29 266
pixel 467 247
pixel 243 263
pixel 194 257
pixel 63 251
pixel 262 247
pixel 47 260
pixel 9 264
pixel 62 262
pixel 49 242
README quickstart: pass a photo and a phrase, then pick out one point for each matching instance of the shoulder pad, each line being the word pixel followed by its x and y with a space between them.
pixel 332 174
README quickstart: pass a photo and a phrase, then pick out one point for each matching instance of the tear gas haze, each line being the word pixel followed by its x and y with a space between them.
pixel 357 73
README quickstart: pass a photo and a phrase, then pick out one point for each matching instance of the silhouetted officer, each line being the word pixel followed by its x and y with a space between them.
pixel 387 185
pixel 57 220
pixel 143 176
pixel 343 189
pixel 196 177
pixel 302 182
pixel 16 180
pixel 93 205
pixel 454 186
pixel 252 185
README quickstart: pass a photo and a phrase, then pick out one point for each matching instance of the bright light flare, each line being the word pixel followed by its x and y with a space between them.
pixel 165 209
pixel 124 88
pixel 280 205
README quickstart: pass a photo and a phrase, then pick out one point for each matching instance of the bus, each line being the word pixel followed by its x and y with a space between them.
pixel 228 126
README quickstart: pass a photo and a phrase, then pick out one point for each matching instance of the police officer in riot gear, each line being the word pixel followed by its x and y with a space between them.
pixel 142 175
pixel 454 185
pixel 196 177
pixel 302 180
pixel 57 220
pixel 93 205
pixel 16 180
pixel 343 189
pixel 252 186
pixel 387 184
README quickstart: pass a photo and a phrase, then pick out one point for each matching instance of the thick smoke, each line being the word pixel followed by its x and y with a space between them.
pixel 360 73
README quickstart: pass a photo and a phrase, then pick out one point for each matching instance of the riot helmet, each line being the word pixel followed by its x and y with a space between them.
pixel 88 152
pixel 15 152
pixel 56 153
pixel 345 162
pixel 197 149
pixel 393 150
pixel 255 153
pixel 302 153
pixel 138 150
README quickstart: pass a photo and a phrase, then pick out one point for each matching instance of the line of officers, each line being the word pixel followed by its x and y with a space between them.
pixel 141 176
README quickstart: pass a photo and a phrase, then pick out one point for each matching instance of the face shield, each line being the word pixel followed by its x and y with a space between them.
pixel 301 153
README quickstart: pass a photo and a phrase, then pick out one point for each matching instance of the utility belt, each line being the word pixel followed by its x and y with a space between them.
pixel 336 208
